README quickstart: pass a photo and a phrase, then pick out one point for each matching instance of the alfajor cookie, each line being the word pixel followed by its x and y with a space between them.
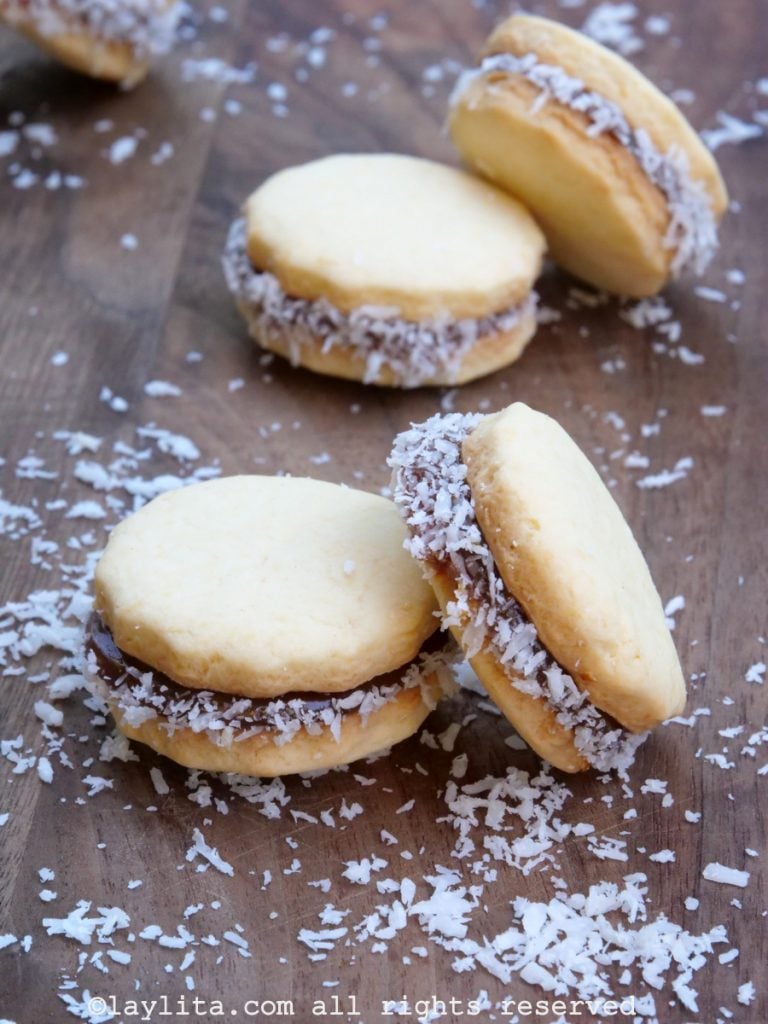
pixel 113 40
pixel 624 189
pixel 264 625
pixel 541 581
pixel 386 269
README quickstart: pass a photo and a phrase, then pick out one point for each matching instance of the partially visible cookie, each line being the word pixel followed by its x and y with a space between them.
pixel 112 41
pixel 541 581
pixel 388 269
pixel 625 191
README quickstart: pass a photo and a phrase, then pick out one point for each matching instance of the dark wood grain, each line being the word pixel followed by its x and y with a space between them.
pixel 125 318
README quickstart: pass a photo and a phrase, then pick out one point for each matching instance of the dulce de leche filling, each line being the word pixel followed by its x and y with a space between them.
pixel 142 693
pixel 415 352
pixel 434 498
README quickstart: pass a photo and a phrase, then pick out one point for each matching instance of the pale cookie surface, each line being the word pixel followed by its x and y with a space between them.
pixel 417 238
pixel 260 585
pixel 566 553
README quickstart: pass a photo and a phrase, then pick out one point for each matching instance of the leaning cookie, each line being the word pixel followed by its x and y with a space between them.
pixel 386 269
pixel 541 582
pixel 625 191
pixel 114 40
pixel 264 625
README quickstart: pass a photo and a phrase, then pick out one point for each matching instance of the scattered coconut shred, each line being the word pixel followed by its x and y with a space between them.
pixel 434 498
pixel 692 230
pixel 414 352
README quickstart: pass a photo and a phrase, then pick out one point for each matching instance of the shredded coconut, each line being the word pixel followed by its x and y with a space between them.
pixel 755 673
pixel 434 498
pixel 692 231
pixel 142 694
pixel 200 848
pixel 611 25
pixel 716 872
pixel 161 389
pixel 732 131
pixel 415 353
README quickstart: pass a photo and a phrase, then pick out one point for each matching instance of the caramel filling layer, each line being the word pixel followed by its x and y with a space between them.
pixel 142 693
pixel 415 352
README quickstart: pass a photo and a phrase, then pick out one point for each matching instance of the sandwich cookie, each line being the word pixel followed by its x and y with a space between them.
pixel 386 269
pixel 624 189
pixel 264 625
pixel 541 582
pixel 110 39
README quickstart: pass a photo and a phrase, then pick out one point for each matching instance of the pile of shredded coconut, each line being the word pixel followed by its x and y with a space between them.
pixel 562 946
pixel 416 353
pixel 148 25
pixel 692 230
pixel 143 695
pixel 434 498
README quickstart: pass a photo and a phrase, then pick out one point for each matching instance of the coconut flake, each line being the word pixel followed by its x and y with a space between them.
pixel 161 389
pixel 755 673
pixel 48 714
pixel 715 872
pixel 611 25
pixel 200 848
pixel 732 131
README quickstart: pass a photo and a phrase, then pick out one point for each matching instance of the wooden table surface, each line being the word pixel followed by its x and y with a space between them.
pixel 673 415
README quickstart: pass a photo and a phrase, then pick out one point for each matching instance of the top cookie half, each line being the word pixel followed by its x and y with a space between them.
pixel 263 585
pixel 384 230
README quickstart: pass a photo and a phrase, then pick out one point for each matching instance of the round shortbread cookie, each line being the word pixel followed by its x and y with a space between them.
pixel 431 487
pixel 417 238
pixel 261 585
pixel 606 72
pixel 527 129
pixel 566 553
